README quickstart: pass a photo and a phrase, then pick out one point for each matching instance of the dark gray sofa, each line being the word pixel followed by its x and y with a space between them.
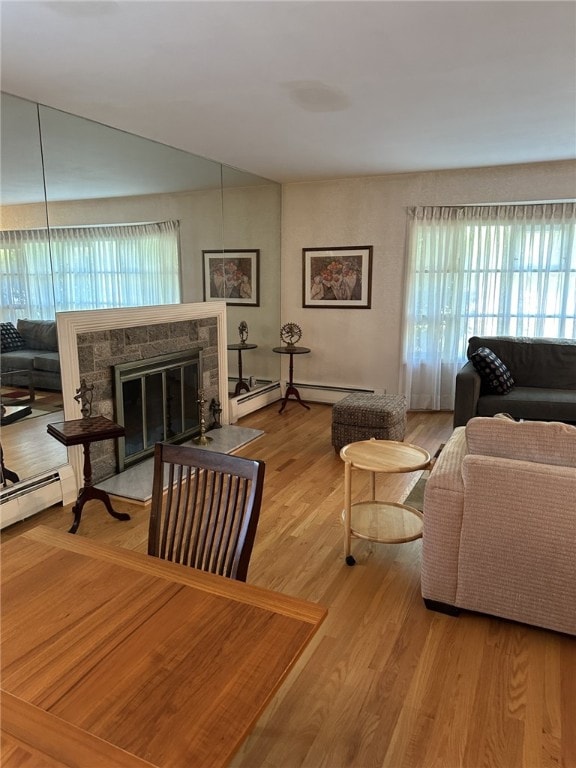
pixel 39 356
pixel 544 373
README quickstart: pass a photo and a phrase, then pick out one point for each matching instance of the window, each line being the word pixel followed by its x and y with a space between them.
pixel 483 270
pixel 47 271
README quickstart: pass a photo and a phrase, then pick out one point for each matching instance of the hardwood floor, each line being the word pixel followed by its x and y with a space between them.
pixel 385 682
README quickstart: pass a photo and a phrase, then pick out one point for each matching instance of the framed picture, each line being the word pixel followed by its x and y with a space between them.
pixel 337 277
pixel 232 276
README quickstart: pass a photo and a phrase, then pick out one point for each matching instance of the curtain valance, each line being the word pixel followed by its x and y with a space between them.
pixel 503 213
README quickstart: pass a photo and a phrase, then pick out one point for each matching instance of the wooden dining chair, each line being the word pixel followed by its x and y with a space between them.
pixel 205 508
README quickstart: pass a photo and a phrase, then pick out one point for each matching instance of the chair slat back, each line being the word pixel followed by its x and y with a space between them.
pixel 205 508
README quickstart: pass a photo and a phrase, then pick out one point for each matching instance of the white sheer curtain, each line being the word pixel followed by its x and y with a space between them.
pixel 72 268
pixel 483 270
pixel 25 276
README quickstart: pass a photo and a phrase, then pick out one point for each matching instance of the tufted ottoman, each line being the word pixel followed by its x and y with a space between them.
pixel 360 416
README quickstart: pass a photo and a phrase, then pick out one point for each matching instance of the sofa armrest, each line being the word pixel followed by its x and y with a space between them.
pixel 466 395
pixel 443 506
pixel 517 542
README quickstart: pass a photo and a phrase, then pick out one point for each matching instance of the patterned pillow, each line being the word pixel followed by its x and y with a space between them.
pixel 11 339
pixel 493 371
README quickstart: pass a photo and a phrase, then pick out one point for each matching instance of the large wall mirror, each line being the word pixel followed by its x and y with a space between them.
pixel 61 171
pixel 251 216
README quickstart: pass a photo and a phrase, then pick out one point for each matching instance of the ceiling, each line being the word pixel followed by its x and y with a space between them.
pixel 309 90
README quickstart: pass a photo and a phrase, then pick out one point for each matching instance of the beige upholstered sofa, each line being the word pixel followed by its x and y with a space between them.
pixel 500 523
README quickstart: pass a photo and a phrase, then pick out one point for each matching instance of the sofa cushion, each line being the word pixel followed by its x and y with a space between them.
pixel 20 360
pixel 47 361
pixel 39 334
pixel 11 338
pixel 493 371
pixel 534 403
pixel 545 442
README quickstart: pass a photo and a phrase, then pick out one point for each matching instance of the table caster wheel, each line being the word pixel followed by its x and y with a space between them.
pixel 350 560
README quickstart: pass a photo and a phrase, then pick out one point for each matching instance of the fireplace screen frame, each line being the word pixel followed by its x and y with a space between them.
pixel 141 370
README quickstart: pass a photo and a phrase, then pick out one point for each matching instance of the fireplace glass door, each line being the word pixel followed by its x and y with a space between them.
pixel 157 400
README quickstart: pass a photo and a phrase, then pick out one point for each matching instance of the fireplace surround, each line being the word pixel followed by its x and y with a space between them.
pixel 91 342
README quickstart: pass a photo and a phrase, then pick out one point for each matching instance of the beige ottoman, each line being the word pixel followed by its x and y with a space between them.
pixel 360 416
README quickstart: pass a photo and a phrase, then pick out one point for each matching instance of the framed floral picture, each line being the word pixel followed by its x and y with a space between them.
pixel 339 277
pixel 233 276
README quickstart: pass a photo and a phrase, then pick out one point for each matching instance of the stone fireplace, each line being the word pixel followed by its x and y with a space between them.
pixel 93 342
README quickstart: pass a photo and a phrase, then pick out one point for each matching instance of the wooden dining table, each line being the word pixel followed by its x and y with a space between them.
pixel 114 658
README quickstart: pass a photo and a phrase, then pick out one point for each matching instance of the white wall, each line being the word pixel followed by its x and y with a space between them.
pixel 360 348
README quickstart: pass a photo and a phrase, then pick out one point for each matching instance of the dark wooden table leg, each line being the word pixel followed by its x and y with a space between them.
pixel 241 385
pixel 5 473
pixel 291 389
pixel 88 492
pixel 97 494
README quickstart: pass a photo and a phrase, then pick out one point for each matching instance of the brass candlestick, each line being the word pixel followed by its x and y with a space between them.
pixel 202 438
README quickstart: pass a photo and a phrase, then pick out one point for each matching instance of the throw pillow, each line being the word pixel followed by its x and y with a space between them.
pixel 492 370
pixel 11 339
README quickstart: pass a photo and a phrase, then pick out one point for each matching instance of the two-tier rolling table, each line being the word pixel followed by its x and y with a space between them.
pixel 386 522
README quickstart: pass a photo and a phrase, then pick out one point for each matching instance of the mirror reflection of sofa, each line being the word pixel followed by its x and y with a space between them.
pixel 31 346
pixel 499 532
pixel 543 372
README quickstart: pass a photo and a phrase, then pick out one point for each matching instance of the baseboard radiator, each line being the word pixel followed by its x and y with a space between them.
pixel 247 402
pixel 28 497
pixel 313 393
pixel 322 393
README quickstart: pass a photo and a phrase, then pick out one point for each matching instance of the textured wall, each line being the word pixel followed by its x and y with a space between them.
pixel 358 347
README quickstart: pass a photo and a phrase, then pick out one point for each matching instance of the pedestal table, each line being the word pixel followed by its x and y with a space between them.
pixel 84 432
pixel 291 389
pixel 241 384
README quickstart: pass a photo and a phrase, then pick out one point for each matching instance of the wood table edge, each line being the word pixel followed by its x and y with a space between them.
pixel 293 607
pixel 59 739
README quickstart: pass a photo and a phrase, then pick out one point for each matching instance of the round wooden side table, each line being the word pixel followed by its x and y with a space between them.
pixel 84 432
pixel 386 522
